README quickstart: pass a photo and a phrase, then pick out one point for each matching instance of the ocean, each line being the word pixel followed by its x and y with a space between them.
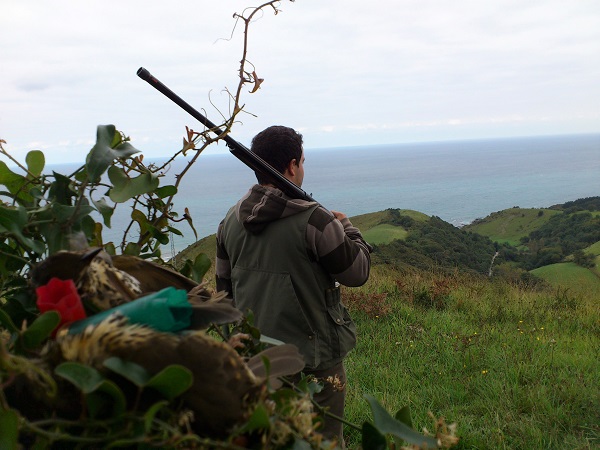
pixel 458 181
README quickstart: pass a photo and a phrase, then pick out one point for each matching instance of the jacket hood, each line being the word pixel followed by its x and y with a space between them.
pixel 264 204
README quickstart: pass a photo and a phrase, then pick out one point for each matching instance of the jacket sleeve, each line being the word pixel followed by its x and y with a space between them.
pixel 339 247
pixel 222 266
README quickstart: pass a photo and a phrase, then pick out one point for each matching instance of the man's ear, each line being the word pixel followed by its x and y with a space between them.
pixel 292 167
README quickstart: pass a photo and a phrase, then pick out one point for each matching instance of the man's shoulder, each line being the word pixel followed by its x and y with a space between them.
pixel 228 216
pixel 320 217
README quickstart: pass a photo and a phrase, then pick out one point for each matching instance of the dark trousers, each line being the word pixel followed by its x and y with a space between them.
pixel 331 397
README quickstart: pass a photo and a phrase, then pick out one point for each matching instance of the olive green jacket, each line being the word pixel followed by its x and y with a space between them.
pixel 293 298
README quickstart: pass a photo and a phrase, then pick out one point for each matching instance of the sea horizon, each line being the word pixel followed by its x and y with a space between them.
pixel 458 180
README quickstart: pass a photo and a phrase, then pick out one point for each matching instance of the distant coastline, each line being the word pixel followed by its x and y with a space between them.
pixel 458 181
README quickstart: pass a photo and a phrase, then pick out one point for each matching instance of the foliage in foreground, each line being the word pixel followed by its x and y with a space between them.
pixel 82 406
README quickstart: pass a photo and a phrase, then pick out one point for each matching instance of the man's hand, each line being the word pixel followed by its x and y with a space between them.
pixel 339 215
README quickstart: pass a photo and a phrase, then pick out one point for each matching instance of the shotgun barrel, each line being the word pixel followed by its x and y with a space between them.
pixel 240 151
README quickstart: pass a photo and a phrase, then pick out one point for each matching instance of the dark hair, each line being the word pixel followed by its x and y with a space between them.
pixel 277 145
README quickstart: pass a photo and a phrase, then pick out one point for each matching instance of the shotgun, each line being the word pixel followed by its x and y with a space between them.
pixel 238 150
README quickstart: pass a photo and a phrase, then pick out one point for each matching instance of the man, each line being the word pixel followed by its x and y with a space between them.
pixel 282 258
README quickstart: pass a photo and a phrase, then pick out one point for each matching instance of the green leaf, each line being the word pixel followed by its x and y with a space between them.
pixel 132 249
pixel 259 420
pixel 40 330
pixel 59 221
pixel 90 228
pixel 14 221
pixel 109 146
pixel 172 381
pixel 56 238
pixel 36 193
pixel 125 187
pixel 86 378
pixel 6 322
pixel 107 400
pixel 9 429
pixel 174 231
pixel 140 218
pixel 20 307
pixel 151 412
pixel 64 213
pixel 147 227
pixel 129 370
pixel 165 191
pixel 104 209
pixel 371 438
pixel 110 248
pixel 309 385
pixel 161 237
pixel 97 388
pixel 404 416
pixel 199 267
pixel 35 162
pixel 60 189
pixel 386 424
pixel 10 262
pixel 14 183
pixel 81 174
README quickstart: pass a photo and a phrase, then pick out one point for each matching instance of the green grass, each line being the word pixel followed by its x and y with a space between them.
pixel 365 222
pixel 510 225
pixel 514 369
pixel 594 249
pixel 570 276
pixel 384 234
pixel 418 216
pixel 370 220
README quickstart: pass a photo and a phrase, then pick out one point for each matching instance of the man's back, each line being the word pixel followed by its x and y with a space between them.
pixel 283 258
pixel 273 274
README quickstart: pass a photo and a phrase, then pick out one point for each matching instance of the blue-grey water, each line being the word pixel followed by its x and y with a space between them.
pixel 457 181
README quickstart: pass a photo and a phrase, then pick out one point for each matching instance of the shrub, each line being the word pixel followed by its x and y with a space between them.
pixel 371 304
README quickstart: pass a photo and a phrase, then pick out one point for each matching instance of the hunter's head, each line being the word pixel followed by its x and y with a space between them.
pixel 281 147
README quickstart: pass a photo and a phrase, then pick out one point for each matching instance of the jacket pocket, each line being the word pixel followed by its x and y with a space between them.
pixel 343 331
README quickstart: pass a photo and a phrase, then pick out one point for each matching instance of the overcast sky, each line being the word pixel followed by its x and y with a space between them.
pixel 343 72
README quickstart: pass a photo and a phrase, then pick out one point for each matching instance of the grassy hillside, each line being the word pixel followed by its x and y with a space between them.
pixel 379 228
pixel 510 225
pixel 569 232
pixel 570 276
pixel 384 234
pixel 206 245
pixel 409 238
pixel 594 250
pixel 404 237
pixel 514 368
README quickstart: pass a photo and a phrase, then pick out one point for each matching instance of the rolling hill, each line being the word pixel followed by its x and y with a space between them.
pixel 543 242
pixel 511 225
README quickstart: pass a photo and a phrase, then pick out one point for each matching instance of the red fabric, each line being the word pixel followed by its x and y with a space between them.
pixel 62 296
